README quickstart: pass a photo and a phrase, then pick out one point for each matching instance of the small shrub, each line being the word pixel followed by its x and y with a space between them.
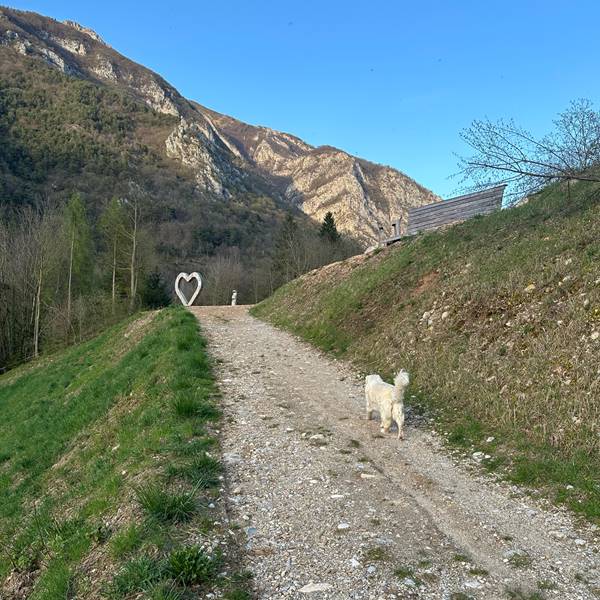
pixel 101 533
pixel 164 505
pixel 28 559
pixel 191 564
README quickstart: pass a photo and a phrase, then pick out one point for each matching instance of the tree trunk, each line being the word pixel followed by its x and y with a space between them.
pixel 36 322
pixel 132 282
pixel 70 279
pixel 114 274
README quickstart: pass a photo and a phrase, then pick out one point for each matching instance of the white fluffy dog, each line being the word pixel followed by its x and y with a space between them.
pixel 387 399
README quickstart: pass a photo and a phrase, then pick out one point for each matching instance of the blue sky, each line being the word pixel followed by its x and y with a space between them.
pixel 393 82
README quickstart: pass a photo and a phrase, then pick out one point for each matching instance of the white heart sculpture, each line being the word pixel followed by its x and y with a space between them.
pixel 188 278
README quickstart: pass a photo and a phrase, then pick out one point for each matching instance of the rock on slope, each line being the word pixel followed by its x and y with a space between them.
pixel 224 153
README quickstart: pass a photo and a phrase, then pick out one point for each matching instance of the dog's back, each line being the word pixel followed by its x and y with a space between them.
pixel 371 380
pixel 376 388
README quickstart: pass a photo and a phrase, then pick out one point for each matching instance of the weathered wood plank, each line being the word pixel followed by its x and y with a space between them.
pixel 496 191
pixel 451 213
pixel 492 198
pixel 425 219
pixel 460 208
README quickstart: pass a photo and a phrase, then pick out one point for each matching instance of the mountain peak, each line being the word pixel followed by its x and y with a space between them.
pixel 90 32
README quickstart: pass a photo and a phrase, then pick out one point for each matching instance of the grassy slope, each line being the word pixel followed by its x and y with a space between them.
pixel 104 466
pixel 508 348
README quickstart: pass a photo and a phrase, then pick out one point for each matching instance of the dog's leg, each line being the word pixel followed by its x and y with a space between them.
pixel 386 421
pixel 399 418
pixel 369 414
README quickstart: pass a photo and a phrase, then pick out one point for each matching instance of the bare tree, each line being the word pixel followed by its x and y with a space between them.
pixel 505 153
pixel 224 272
pixel 112 224
pixel 133 206
pixel 80 251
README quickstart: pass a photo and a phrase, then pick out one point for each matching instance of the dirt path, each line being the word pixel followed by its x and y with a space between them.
pixel 331 509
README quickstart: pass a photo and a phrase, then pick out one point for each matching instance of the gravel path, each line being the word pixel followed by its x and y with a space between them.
pixel 331 509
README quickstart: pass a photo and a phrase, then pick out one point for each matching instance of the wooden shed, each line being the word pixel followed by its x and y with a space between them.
pixel 446 212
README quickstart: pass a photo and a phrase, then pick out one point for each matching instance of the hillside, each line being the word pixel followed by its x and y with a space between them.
pixel 216 156
pixel 61 133
pixel 498 321
pixel 110 461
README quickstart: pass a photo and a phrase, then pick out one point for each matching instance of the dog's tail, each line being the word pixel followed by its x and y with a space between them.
pixel 401 381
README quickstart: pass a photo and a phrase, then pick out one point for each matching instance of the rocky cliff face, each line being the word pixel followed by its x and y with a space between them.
pixel 223 153
pixel 362 195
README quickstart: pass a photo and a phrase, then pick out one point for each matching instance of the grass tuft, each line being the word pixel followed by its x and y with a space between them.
pixel 164 505
pixel 203 471
pixel 136 575
pixel 191 564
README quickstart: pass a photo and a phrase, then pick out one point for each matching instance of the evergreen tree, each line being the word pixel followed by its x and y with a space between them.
pixel 328 229
pixel 286 250
pixel 154 292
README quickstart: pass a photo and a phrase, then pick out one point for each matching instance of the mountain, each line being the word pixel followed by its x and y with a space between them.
pixel 362 195
pixel 220 155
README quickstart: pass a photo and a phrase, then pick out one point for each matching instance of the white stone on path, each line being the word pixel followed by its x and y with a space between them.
pixel 315 587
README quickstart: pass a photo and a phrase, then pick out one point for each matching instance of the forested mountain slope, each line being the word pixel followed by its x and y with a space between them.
pixel 210 156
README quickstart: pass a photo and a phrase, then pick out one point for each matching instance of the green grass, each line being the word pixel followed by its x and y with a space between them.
pixel 519 594
pixel 89 435
pixel 376 553
pixel 191 564
pixel 546 584
pixel 508 361
pixel 202 471
pixel 165 505
pixel 127 540
pixel 137 575
pixel 520 560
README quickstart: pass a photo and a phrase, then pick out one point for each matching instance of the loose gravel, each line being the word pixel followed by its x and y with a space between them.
pixel 330 508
